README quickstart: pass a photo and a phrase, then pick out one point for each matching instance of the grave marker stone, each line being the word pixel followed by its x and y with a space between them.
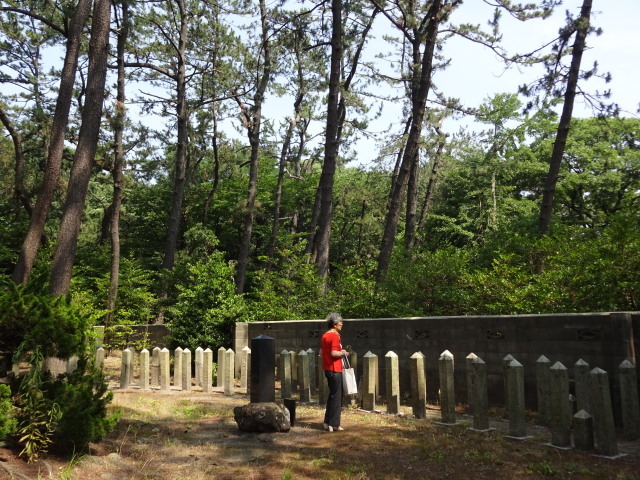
pixel 447 392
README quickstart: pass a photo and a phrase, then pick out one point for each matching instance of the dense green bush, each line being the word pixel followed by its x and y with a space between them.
pixel 207 306
pixel 31 321
pixel 83 399
pixel 67 412
pixel 8 421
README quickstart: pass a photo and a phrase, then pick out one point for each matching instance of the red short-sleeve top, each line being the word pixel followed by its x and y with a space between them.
pixel 331 342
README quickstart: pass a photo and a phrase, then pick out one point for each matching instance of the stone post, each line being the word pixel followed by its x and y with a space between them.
pixel 284 369
pixel 244 368
pixel 353 361
pixel 294 370
pixel 505 367
pixel 198 364
pixel 542 388
pixel 186 370
pixel 248 390
pixel 207 370
pixel 313 371
pixel 583 430
pixel 263 366
pixel 220 369
pixel 418 385
pixel 559 413
pixel 229 372
pixel 447 391
pixel 479 397
pixel 304 376
pixel 165 369
pixel 323 387
pixel 177 368
pixel 99 357
pixel 144 369
pixel 126 369
pixel 515 408
pixel 155 367
pixel 468 361
pixel 603 426
pixel 629 400
pixel 370 361
pixel 392 382
pixel 581 377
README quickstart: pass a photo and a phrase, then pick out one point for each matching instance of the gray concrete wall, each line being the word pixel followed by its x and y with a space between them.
pixel 601 339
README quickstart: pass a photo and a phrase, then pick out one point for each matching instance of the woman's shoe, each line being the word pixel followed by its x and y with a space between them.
pixel 330 428
pixel 339 429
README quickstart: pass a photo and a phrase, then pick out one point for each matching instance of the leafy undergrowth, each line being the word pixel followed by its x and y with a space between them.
pixel 193 436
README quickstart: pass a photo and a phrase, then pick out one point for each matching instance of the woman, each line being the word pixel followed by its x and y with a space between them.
pixel 332 354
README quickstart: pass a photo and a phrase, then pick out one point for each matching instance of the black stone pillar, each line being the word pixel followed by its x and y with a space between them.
pixel 263 369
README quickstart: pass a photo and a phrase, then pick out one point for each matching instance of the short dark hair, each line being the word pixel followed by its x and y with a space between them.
pixel 332 319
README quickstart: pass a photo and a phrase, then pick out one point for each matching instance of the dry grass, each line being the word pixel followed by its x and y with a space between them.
pixel 193 436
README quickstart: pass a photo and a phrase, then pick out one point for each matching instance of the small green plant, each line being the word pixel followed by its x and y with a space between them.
pixel 38 417
pixel 542 468
pixel 8 421
pixel 286 475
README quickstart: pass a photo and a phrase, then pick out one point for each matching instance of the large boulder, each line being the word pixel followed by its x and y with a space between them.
pixel 262 417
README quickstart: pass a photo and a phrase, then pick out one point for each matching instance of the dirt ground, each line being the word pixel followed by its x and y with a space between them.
pixel 193 436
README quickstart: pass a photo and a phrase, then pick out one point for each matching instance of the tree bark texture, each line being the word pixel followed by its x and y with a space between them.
pixel 19 190
pixel 180 173
pixel 254 125
pixel 428 196
pixel 116 170
pixel 66 244
pixel 332 142
pixel 411 149
pixel 546 208
pixel 49 184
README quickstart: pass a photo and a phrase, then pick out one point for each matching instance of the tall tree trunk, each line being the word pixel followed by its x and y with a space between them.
pixel 254 121
pixel 180 174
pixel 336 113
pixel 396 166
pixel 428 196
pixel 418 111
pixel 546 208
pixel 412 203
pixel 64 255
pixel 281 169
pixel 19 190
pixel 216 166
pixel 284 153
pixel 118 165
pixel 332 142
pixel 38 219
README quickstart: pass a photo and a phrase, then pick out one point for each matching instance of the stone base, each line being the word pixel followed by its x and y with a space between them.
pixel 513 437
pixel 558 447
pixel 262 417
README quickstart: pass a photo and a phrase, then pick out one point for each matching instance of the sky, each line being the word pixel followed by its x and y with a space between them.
pixel 617 51
pixel 476 73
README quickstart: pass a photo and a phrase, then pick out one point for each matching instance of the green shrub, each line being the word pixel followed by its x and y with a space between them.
pixel 8 421
pixel 207 306
pixel 83 399
pixel 53 325
pixel 37 416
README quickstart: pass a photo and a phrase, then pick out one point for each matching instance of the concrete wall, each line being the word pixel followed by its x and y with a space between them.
pixel 601 339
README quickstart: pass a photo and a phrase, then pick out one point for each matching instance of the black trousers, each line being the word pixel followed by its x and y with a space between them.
pixel 334 401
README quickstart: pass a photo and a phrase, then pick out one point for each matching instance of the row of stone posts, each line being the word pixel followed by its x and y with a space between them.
pixel 155 369
pixel 593 424
pixel 301 373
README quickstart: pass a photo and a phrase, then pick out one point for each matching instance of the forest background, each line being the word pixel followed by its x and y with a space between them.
pixel 200 163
